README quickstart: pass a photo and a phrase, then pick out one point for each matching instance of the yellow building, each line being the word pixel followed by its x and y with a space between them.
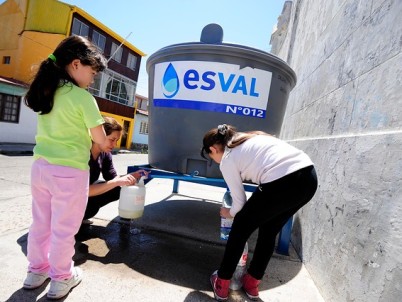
pixel 31 30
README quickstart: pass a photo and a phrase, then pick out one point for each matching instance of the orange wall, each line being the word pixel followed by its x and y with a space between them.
pixel 34 48
pixel 11 24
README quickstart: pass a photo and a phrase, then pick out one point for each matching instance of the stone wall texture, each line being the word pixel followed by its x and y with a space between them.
pixel 346 113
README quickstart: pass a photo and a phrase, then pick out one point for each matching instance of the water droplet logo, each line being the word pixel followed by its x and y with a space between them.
pixel 170 82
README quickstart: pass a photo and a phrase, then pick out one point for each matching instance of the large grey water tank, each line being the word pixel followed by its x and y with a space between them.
pixel 196 86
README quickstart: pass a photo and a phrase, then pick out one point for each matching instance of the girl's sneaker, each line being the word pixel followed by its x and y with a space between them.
pixel 35 280
pixel 59 289
pixel 250 286
pixel 220 287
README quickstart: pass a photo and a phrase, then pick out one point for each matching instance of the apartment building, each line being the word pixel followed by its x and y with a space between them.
pixel 31 29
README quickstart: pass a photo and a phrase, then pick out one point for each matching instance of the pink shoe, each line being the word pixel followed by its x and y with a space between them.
pixel 250 286
pixel 220 287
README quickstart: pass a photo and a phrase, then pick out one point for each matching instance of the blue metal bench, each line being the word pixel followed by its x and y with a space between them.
pixel 285 233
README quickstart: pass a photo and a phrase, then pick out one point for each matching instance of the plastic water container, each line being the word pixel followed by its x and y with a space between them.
pixel 236 282
pixel 132 200
pixel 226 223
pixel 196 86
pixel 226 226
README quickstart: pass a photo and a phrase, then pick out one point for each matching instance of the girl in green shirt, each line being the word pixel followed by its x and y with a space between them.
pixel 68 117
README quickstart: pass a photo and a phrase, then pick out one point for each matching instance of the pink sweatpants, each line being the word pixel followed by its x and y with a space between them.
pixel 59 197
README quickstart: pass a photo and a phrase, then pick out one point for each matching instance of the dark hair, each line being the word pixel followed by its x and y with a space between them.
pixel 226 135
pixel 52 71
pixel 111 125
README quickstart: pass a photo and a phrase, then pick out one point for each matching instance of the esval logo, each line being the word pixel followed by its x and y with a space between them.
pixel 212 86
pixel 192 79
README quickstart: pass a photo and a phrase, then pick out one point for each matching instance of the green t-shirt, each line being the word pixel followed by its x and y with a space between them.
pixel 63 136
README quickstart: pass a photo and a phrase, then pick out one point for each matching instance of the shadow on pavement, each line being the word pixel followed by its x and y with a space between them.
pixel 176 244
pixel 173 246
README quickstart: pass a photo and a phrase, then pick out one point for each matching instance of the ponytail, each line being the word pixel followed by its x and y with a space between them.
pixel 52 71
pixel 41 92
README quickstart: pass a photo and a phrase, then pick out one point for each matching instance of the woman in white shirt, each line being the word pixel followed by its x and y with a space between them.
pixel 287 181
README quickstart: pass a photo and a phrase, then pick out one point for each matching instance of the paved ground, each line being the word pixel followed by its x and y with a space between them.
pixel 170 260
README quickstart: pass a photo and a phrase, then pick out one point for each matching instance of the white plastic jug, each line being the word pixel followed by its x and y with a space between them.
pixel 132 200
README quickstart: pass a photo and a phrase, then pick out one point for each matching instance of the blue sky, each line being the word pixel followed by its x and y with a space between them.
pixel 154 24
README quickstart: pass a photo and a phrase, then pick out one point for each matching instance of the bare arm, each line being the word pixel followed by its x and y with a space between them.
pixel 98 134
pixel 125 180
pixel 139 173
pixel 102 187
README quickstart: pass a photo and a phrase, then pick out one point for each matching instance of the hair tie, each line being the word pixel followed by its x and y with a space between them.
pixel 222 129
pixel 52 57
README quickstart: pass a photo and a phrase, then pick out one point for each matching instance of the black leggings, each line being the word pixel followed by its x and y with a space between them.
pixel 268 209
pixel 98 201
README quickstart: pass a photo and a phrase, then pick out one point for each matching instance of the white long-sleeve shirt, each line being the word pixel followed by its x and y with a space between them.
pixel 260 159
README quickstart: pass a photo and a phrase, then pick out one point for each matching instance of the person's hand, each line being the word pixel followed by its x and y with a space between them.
pixel 225 213
pixel 139 173
pixel 127 180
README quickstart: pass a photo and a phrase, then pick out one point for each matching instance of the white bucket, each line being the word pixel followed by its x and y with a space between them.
pixel 132 201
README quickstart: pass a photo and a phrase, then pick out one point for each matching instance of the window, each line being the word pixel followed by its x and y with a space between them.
pixel 9 108
pixel 142 104
pixel 95 87
pixel 6 60
pixel 131 61
pixel 79 28
pixel 99 40
pixel 116 91
pixel 144 128
pixel 116 54
pixel 119 89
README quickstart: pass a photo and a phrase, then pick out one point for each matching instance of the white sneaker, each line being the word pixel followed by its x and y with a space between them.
pixel 59 289
pixel 35 280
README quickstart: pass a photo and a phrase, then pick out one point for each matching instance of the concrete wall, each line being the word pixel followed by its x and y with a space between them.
pixel 346 113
